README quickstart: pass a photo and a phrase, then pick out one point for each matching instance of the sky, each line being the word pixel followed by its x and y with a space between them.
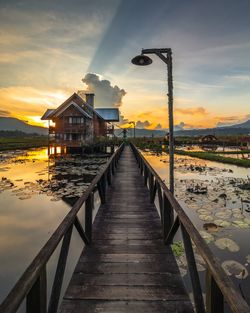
pixel 50 49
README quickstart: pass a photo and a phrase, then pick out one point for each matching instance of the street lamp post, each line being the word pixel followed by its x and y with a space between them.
pixel 132 122
pixel 165 55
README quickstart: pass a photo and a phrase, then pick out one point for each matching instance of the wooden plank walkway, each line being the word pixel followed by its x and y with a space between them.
pixel 127 268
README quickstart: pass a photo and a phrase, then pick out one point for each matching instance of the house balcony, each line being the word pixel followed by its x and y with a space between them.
pixel 67 128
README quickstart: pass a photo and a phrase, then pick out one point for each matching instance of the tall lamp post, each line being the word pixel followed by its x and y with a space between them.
pixel 132 122
pixel 165 55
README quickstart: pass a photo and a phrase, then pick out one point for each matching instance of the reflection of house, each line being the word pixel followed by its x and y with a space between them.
pixel 77 122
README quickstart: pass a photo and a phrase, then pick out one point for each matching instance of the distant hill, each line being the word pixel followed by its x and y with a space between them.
pixel 14 124
pixel 242 125
pixel 237 129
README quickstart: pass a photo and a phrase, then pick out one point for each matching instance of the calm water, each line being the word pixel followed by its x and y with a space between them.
pixel 225 204
pixel 35 195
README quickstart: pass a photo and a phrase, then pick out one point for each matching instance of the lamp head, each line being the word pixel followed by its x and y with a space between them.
pixel 141 60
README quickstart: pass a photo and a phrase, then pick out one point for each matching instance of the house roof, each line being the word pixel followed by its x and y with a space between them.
pixel 60 110
pixel 109 114
pixel 46 115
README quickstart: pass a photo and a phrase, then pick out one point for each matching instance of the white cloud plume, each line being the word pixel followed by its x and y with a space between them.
pixel 106 95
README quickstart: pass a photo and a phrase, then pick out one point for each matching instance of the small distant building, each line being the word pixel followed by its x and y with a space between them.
pixel 246 141
pixel 208 139
pixel 77 123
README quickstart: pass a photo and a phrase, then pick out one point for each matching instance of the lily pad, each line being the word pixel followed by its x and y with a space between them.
pixel 235 268
pixel 238 215
pixel 206 217
pixel 206 236
pixel 247 220
pixel 240 224
pixel 223 214
pixel 226 243
pixel 203 211
pixel 222 223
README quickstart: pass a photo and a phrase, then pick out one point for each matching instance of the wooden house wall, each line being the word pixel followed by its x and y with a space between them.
pixel 100 126
pixel 62 125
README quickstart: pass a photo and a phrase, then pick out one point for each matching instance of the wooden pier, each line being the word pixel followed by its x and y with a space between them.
pixel 127 268
pixel 127 264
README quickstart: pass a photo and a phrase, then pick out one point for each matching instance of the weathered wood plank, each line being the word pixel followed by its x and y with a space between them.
pixel 78 306
pixel 158 279
pixel 146 293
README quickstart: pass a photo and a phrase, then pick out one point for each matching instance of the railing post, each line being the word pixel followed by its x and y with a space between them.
pixel 36 300
pixel 153 193
pixel 197 291
pixel 89 206
pixel 214 297
pixel 113 167
pixel 141 165
pixel 151 183
pixel 101 189
pixel 145 175
pixel 58 280
pixel 160 200
pixel 172 232
pixel 167 217
pixel 109 175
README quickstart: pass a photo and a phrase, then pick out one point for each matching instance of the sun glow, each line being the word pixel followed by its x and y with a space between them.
pixel 36 121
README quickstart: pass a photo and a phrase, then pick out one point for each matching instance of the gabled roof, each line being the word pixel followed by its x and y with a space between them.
pixel 109 114
pixel 74 100
pixel 46 115
pixel 58 111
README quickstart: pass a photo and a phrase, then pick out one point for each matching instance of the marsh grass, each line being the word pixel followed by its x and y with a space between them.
pixel 13 143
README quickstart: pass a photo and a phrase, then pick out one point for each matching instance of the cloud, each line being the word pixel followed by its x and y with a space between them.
pixel 122 119
pixel 191 111
pixel 144 124
pixel 4 113
pixel 179 126
pixel 106 95
pixel 158 126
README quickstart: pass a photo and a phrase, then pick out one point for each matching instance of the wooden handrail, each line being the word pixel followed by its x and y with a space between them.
pixel 35 270
pixel 232 296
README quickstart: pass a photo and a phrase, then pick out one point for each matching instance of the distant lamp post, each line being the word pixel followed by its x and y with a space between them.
pixel 166 56
pixel 132 122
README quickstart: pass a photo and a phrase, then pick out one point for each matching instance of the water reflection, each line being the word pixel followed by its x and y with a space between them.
pixel 35 194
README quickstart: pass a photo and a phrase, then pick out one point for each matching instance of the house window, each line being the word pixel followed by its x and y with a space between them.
pixel 76 120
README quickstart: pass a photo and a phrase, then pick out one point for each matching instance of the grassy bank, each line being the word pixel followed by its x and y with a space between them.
pixel 232 152
pixel 12 143
pixel 215 157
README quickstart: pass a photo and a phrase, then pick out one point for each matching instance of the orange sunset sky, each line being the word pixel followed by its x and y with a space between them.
pixel 50 49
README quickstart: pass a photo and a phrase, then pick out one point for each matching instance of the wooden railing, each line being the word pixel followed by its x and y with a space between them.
pixel 219 286
pixel 33 283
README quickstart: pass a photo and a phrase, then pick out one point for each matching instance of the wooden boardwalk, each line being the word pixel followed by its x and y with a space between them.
pixel 127 268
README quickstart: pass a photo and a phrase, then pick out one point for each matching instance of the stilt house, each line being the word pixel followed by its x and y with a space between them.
pixel 77 123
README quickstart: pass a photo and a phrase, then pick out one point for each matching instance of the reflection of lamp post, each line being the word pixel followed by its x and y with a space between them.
pixel 166 56
pixel 132 122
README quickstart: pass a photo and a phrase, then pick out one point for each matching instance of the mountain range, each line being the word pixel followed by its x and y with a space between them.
pixel 236 129
pixel 14 124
